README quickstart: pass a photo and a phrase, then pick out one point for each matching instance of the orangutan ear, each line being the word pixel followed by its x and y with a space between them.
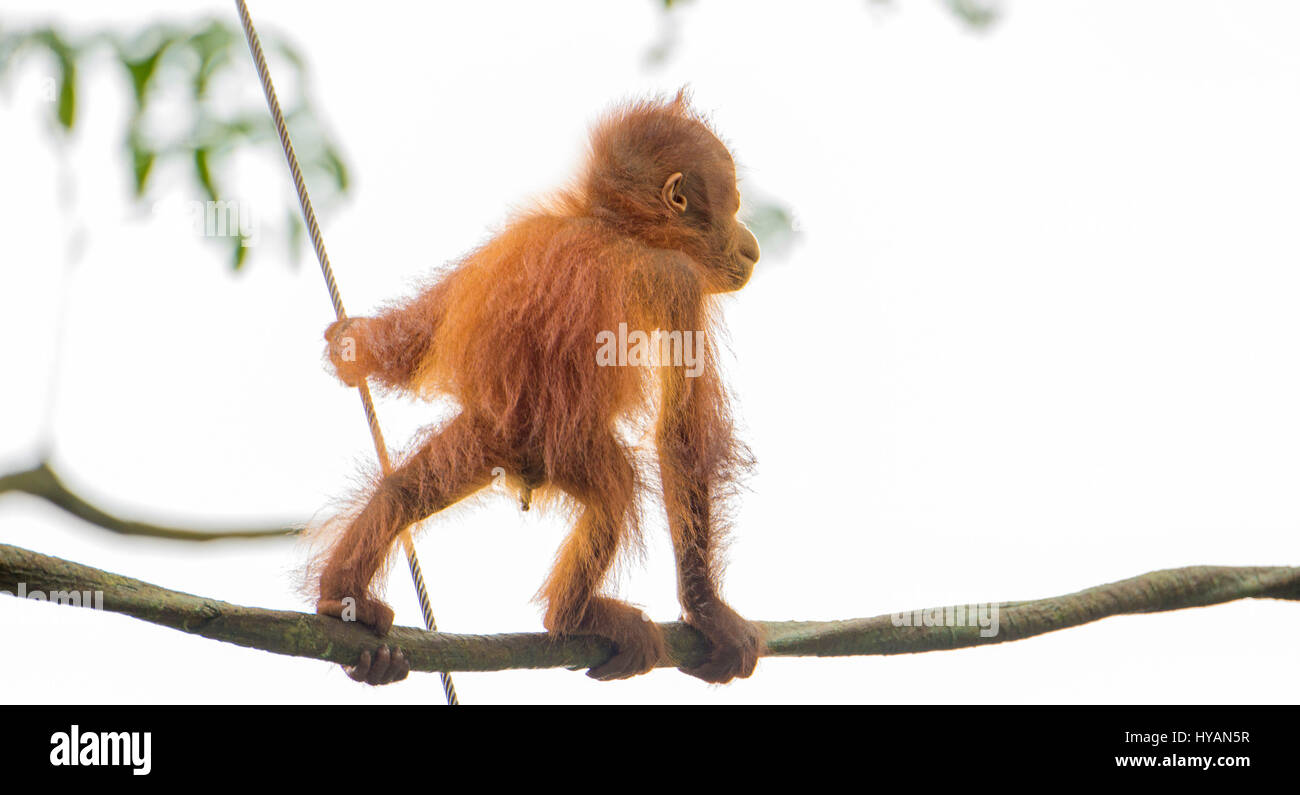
pixel 672 193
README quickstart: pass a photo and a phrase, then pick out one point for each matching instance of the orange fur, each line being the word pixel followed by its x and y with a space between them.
pixel 510 333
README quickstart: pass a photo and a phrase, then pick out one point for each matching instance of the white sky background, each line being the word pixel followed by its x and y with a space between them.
pixel 1040 334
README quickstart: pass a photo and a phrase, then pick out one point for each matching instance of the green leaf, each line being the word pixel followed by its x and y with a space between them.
pixel 333 164
pixel 212 45
pixel 65 57
pixel 203 172
pixel 67 109
pixel 142 71
pixel 975 13
pixel 240 252
pixel 142 160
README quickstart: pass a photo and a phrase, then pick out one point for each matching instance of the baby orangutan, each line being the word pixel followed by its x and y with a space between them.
pixel 646 237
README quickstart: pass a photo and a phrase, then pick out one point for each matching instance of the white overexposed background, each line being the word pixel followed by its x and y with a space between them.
pixel 1039 332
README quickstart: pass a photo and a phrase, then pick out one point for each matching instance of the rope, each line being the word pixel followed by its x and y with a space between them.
pixel 309 215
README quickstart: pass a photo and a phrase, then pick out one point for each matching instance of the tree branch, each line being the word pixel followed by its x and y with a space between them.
pixel 306 635
pixel 41 481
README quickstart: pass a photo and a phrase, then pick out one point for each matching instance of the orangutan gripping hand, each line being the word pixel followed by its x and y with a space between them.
pixel 518 334
pixel 348 351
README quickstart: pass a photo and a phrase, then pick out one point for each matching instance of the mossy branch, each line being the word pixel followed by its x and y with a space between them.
pixel 41 481
pixel 317 637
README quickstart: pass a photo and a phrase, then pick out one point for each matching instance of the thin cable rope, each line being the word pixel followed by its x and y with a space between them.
pixel 309 215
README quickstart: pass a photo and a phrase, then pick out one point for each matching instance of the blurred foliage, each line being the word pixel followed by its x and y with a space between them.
pixel 773 223
pixel 775 227
pixel 167 63
pixel 978 14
